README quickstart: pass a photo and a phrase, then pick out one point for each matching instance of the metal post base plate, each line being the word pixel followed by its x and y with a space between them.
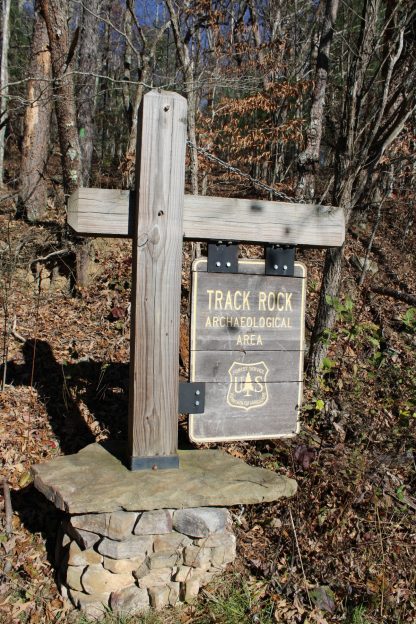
pixel 157 462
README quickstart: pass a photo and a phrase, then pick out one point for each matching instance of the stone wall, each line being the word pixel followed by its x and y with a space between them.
pixel 130 561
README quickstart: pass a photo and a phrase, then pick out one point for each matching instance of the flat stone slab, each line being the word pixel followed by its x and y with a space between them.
pixel 95 481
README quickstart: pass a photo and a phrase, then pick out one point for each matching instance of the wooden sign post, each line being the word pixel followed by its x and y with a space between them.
pixel 158 218
pixel 157 261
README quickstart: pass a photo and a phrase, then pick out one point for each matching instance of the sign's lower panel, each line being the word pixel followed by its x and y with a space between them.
pixel 247 410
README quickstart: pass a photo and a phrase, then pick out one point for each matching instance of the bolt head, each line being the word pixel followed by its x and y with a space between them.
pixel 197 403
pixel 285 267
pixel 276 266
pixel 228 264
pixel 218 264
pixel 197 392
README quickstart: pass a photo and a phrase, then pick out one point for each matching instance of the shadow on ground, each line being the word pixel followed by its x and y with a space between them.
pixel 101 387
pixel 63 388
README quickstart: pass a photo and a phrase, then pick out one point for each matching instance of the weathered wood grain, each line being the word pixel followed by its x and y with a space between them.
pixel 246 312
pixel 221 422
pixel 157 256
pixel 214 366
pixel 252 390
pixel 107 212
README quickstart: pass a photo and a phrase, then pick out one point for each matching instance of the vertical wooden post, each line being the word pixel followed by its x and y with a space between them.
pixel 157 259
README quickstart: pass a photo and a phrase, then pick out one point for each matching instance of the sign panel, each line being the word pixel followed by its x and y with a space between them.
pixel 247 345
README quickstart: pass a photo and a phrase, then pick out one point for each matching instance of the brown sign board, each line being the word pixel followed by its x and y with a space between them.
pixel 247 346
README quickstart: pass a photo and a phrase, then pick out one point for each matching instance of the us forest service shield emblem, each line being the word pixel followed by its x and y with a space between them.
pixel 247 389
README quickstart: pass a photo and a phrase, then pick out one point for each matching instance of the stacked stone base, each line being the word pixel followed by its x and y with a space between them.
pixel 130 561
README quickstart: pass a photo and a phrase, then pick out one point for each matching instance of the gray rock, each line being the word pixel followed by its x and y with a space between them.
pixel 123 566
pixel 94 607
pixel 200 522
pixel 222 538
pixel 164 560
pixel 129 601
pixel 117 525
pixel 191 589
pixel 133 547
pixel 171 542
pixel 159 596
pixel 174 593
pixel 79 557
pixel 94 480
pixel 154 523
pixel 73 577
pixel 156 577
pixel 142 570
pixel 84 539
pixel 360 262
pixel 184 573
pixel 97 580
pixel 197 557
pixel 222 555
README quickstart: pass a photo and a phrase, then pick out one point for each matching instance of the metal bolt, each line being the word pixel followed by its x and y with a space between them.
pixel 285 267
pixel 228 264
pixel 276 266
pixel 196 402
pixel 197 392
pixel 218 264
pixel 219 242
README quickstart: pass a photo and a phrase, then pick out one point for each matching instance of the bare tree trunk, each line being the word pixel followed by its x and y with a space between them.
pixel 4 79
pixel 33 188
pixel 187 66
pixel 128 29
pixel 308 160
pixel 89 60
pixel 56 18
pixel 145 62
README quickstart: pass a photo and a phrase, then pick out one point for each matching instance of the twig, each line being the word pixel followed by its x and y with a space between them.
pixel 300 556
pixel 370 244
pixel 15 333
pixel 382 561
pixel 395 294
pixel 8 510
pixel 53 254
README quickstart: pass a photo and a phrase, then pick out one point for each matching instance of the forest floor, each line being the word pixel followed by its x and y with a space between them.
pixel 342 550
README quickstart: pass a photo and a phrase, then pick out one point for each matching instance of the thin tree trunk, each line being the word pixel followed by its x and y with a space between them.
pixel 89 60
pixel 4 79
pixel 55 15
pixel 33 188
pixel 308 160
pixel 145 62
pixel 187 66
pixel 127 66
pixel 56 18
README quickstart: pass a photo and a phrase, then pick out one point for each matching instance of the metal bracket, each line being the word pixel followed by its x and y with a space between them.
pixel 280 260
pixel 191 398
pixel 157 462
pixel 222 257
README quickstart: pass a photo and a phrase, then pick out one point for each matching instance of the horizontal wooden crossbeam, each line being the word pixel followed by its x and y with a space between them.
pixel 108 212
